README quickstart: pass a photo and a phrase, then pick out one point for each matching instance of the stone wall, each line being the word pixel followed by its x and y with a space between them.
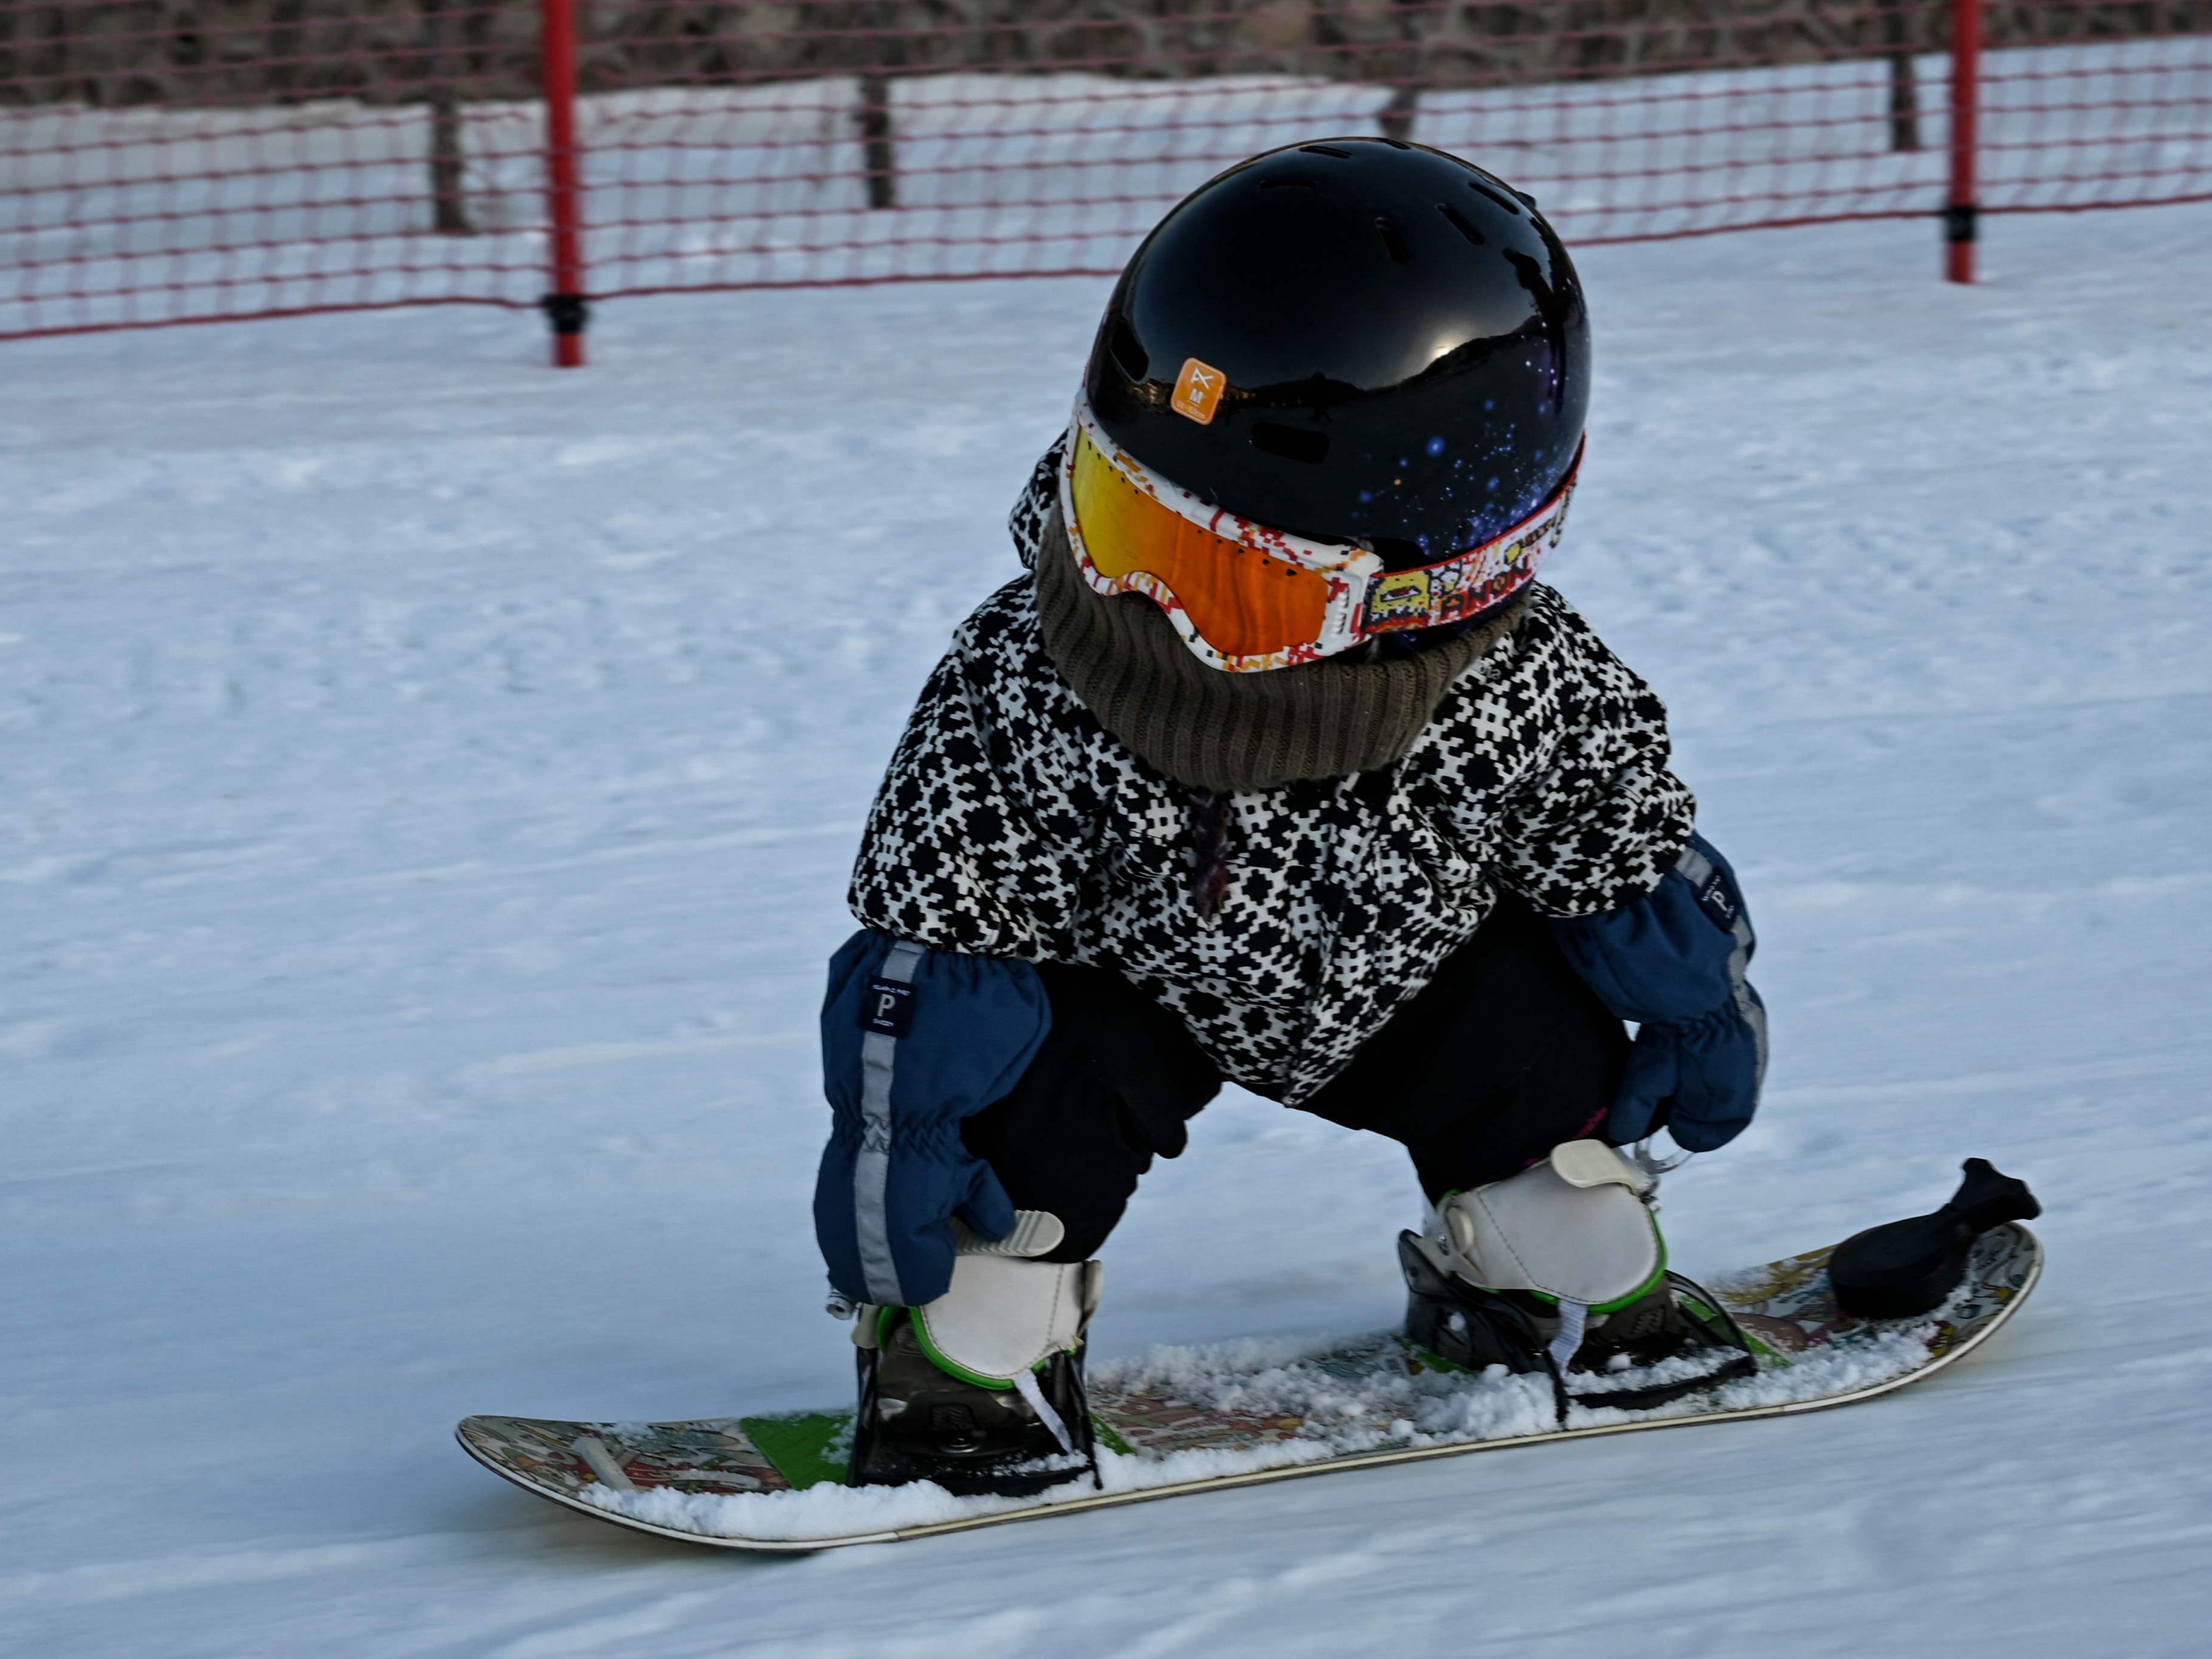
pixel 119 53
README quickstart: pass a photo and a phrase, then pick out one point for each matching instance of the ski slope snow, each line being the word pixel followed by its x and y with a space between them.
pixel 429 781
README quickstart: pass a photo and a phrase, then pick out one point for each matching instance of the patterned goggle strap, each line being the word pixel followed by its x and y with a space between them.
pixel 1245 598
pixel 1470 582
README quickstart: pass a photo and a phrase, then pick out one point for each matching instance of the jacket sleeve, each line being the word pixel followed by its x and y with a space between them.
pixel 1603 819
pixel 954 856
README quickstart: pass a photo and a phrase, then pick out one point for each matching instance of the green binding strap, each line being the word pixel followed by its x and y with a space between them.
pixel 1618 1302
pixel 938 1357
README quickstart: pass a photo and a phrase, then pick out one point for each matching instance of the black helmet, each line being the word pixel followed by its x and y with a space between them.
pixel 1400 343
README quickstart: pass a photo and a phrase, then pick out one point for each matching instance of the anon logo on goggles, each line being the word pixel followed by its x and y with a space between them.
pixel 1245 598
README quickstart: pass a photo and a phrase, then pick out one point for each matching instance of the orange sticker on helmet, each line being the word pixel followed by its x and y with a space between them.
pixel 1198 391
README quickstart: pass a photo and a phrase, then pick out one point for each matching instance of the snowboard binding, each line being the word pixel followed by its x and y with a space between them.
pixel 1560 1269
pixel 981 1390
pixel 1464 1327
pixel 917 1421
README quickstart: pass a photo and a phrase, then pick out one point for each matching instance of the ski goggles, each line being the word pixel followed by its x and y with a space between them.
pixel 1245 598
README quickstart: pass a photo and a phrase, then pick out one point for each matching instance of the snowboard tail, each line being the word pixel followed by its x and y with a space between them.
pixel 1194 1419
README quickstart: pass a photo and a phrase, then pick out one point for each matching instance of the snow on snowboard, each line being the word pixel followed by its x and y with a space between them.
pixel 1194 1420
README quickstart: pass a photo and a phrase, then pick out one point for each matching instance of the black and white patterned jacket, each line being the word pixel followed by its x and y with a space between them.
pixel 1011 823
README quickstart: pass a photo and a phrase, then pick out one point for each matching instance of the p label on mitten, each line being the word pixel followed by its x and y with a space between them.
pixel 888 1007
pixel 1718 901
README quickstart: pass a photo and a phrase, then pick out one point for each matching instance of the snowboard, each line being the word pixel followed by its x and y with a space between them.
pixel 1181 1420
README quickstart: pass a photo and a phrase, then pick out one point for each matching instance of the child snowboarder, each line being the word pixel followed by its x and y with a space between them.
pixel 1278 765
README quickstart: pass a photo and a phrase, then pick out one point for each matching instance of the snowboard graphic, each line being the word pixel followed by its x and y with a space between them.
pixel 1196 1419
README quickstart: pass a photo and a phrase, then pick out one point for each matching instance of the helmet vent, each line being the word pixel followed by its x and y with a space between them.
pixel 1458 221
pixel 1497 196
pixel 1130 356
pixel 1325 150
pixel 1394 240
pixel 1292 443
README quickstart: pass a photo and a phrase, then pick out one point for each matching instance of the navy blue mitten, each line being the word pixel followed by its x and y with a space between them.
pixel 1674 961
pixel 913 1041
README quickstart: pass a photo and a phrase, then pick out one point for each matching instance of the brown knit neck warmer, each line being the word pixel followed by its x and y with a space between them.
pixel 1235 732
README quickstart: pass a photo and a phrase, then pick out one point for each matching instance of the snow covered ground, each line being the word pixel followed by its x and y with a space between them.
pixel 428 786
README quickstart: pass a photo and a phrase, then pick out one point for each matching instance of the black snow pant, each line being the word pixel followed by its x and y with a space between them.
pixel 1502 1056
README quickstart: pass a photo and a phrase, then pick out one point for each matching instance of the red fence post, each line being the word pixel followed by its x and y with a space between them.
pixel 1961 212
pixel 565 304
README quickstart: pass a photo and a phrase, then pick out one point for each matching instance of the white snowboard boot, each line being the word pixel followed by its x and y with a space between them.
pixel 981 1390
pixel 1562 1268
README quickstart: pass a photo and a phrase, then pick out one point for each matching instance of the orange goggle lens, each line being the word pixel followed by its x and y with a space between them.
pixel 1240 600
